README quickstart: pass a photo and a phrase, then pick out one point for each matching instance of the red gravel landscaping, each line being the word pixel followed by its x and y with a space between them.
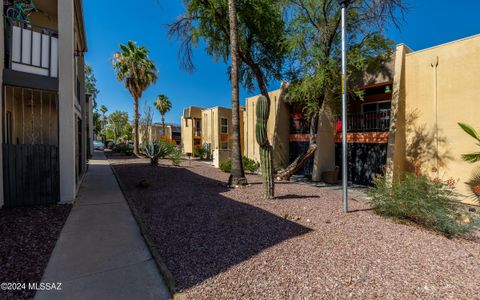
pixel 28 236
pixel 222 243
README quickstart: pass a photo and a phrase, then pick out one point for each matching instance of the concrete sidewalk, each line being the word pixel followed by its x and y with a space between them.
pixel 100 253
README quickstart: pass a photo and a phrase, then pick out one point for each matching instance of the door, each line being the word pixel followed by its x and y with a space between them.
pixel 30 147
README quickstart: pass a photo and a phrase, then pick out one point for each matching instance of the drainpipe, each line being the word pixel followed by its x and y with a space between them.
pixel 434 65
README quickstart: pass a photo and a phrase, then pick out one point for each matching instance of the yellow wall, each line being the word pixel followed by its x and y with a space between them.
pixel 188 128
pixel 429 102
pixel 211 132
pixel 277 129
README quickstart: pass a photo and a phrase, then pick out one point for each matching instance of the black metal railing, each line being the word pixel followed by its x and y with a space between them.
pixel 365 122
pixel 30 48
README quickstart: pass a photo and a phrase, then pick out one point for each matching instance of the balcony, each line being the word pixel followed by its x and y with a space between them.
pixel 378 121
pixel 31 49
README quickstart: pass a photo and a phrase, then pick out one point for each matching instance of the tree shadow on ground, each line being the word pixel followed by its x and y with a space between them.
pixel 198 231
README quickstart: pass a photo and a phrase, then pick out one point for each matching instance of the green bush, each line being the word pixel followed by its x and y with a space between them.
pixel 121 148
pixel 419 199
pixel 226 166
pixel 176 157
pixel 202 152
pixel 249 165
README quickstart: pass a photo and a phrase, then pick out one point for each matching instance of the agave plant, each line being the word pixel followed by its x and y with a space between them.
pixel 152 151
pixel 157 150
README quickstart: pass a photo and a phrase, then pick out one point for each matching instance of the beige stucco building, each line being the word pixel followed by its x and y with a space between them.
pixel 217 127
pixel 154 133
pixel 46 116
pixel 433 90
pixel 277 129
pixel 191 129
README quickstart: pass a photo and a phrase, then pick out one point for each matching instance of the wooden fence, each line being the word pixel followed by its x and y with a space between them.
pixel 31 174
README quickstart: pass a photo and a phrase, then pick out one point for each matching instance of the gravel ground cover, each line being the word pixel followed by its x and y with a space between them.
pixel 222 243
pixel 28 236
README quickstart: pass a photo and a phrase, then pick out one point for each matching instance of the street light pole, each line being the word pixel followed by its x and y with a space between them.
pixel 344 4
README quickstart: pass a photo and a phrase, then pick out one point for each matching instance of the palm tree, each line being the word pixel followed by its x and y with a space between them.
pixel 104 110
pixel 163 105
pixel 237 174
pixel 475 156
pixel 137 71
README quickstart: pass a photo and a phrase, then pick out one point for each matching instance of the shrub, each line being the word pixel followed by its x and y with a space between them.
pixel 249 165
pixel 226 166
pixel 202 152
pixel 121 148
pixel 176 157
pixel 166 148
pixel 157 150
pixel 419 199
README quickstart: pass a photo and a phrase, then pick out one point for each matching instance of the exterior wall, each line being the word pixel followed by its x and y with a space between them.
pixel 277 129
pixel 324 159
pixel 439 87
pixel 211 132
pixel 188 129
pixel 66 93
pixel 211 127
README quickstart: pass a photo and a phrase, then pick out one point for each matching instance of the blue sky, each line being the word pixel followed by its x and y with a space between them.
pixel 109 23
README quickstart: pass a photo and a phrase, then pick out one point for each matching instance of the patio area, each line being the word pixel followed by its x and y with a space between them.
pixel 222 243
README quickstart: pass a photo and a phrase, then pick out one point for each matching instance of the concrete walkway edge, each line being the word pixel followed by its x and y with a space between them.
pixel 162 267
pixel 101 253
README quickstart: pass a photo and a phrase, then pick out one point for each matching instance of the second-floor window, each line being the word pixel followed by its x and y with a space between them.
pixel 198 127
pixel 223 125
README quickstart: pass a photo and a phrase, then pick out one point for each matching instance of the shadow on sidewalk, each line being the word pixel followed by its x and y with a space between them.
pixel 198 231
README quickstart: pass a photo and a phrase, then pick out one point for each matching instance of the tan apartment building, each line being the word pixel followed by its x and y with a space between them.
pixel 217 132
pixel 191 129
pixel 155 133
pixel 408 115
pixel 433 90
pixel 277 129
pixel 217 127
pixel 45 112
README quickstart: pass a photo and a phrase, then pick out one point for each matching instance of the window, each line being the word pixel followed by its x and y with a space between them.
pixel 198 127
pixel 376 107
pixel 224 145
pixel 224 125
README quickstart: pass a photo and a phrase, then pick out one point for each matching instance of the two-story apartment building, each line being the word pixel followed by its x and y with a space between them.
pixel 45 112
pixel 191 129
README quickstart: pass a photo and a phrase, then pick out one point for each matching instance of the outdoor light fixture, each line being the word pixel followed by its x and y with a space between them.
pixel 388 89
pixel 344 4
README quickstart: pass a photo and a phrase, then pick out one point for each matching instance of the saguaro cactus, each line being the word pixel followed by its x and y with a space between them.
pixel 262 113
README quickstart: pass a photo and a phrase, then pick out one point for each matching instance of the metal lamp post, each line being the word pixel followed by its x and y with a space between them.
pixel 344 4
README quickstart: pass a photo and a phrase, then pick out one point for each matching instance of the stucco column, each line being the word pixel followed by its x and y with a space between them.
pixel 66 92
pixel 90 123
pixel 2 65
pixel 397 135
pixel 83 103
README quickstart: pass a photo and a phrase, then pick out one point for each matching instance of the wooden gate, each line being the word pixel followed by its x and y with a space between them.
pixel 31 175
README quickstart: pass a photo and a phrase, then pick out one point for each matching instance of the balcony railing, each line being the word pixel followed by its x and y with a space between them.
pixel 365 122
pixel 31 49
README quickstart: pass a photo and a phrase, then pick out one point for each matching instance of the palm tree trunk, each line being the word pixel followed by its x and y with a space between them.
pixel 135 125
pixel 163 125
pixel 237 174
